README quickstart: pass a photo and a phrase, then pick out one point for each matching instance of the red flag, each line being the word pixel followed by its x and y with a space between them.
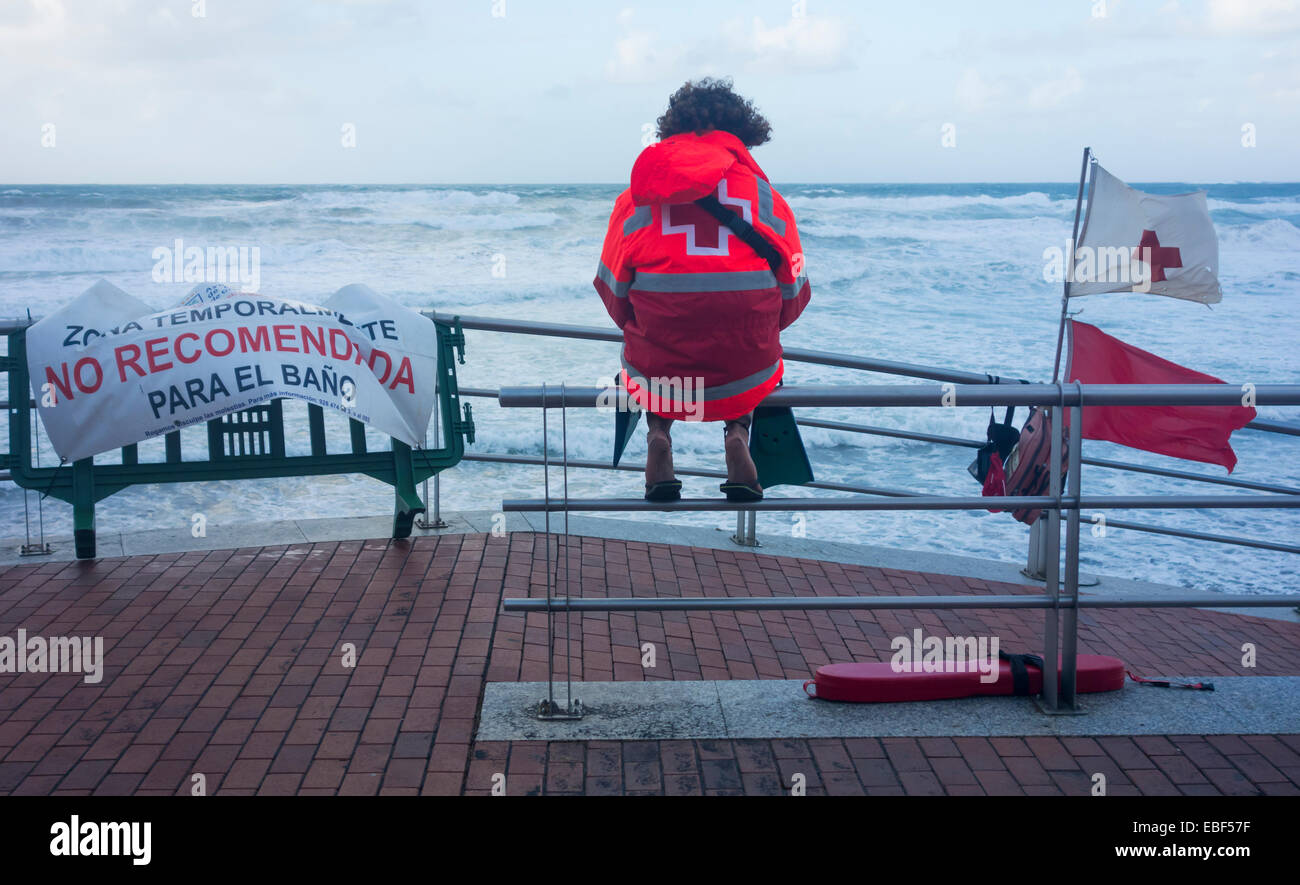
pixel 1196 433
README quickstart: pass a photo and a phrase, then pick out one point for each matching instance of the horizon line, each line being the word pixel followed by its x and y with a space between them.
pixel 582 183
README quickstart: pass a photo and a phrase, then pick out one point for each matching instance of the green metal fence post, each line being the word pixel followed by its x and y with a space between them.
pixel 408 505
pixel 83 507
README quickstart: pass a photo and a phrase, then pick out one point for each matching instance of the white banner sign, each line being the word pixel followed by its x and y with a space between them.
pixel 107 371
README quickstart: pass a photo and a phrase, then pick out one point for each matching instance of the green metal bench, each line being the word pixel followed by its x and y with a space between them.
pixel 248 444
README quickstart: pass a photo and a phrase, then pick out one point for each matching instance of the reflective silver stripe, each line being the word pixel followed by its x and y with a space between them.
pixel 605 275
pixel 790 291
pixel 732 281
pixel 765 211
pixel 637 220
pixel 720 391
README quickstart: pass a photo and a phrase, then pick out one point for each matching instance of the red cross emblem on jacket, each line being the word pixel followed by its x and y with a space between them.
pixel 696 303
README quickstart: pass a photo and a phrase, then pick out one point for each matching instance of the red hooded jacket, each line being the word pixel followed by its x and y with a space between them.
pixel 701 312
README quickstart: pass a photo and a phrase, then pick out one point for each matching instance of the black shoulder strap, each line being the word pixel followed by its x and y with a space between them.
pixel 1019 670
pixel 743 229
pixel 1010 413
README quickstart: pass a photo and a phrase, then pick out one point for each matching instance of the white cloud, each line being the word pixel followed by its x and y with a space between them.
pixel 1054 92
pixel 974 93
pixel 804 42
pixel 30 25
pixel 1254 15
pixel 639 57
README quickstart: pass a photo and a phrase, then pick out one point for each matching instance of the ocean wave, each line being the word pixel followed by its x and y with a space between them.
pixel 74 259
pixel 439 199
pixel 931 202
pixel 514 221
pixel 1275 234
pixel 1263 207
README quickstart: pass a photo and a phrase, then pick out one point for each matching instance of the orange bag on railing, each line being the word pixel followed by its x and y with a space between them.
pixel 1028 466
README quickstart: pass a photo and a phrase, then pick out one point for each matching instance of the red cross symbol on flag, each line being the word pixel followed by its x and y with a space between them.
pixel 1158 257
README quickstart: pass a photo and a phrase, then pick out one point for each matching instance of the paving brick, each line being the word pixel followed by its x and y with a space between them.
pixel 1051 754
pixel 680 785
pixel 921 783
pixel 1125 752
pixel 953 772
pixel 1153 783
pixel 1256 767
pixel 905 754
pixel 999 783
pixel 1027 771
pixel 979 754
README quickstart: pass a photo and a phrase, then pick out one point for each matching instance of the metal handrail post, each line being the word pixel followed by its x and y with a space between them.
pixel 1070 639
pixel 437 521
pixel 547 708
pixel 1051 617
pixel 1034 568
pixel 746 528
pixel 548 703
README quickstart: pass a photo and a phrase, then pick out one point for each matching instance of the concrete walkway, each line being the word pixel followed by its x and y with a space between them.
pixel 306 531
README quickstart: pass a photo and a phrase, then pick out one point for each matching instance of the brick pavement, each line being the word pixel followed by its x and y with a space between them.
pixel 230 664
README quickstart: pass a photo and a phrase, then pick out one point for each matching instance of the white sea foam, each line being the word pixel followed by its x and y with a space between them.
pixel 1274 235
pixel 1033 200
pixel 1260 207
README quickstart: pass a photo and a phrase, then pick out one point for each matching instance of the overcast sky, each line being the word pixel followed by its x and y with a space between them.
pixel 560 90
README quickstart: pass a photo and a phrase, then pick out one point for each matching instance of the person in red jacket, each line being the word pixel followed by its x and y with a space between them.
pixel 702 309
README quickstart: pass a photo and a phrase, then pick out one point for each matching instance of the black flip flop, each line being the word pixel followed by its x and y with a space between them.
pixel 741 493
pixel 669 490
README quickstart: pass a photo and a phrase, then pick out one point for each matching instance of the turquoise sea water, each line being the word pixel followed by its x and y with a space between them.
pixel 943 274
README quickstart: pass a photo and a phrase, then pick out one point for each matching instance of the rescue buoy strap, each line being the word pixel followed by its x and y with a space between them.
pixel 1020 670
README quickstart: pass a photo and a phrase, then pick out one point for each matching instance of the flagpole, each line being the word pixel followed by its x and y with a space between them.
pixel 1069 269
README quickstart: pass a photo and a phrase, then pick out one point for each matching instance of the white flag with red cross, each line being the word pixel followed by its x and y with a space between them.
pixel 1133 241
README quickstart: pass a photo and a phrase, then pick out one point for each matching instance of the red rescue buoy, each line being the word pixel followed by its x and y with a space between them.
pixel 879 681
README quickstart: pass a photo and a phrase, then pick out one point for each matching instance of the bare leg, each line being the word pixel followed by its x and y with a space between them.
pixel 659 450
pixel 740 466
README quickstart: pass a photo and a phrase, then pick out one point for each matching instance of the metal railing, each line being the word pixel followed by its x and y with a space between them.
pixel 747 523
pixel 1060 632
pixel 965 389
pixel 746 527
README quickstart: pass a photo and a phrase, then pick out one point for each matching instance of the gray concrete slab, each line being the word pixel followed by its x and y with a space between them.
pixel 477 520
pixel 778 708
pixel 217 537
pixel 344 528
pixel 655 711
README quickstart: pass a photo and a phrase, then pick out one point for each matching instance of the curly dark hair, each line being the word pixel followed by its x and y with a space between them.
pixel 701 105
